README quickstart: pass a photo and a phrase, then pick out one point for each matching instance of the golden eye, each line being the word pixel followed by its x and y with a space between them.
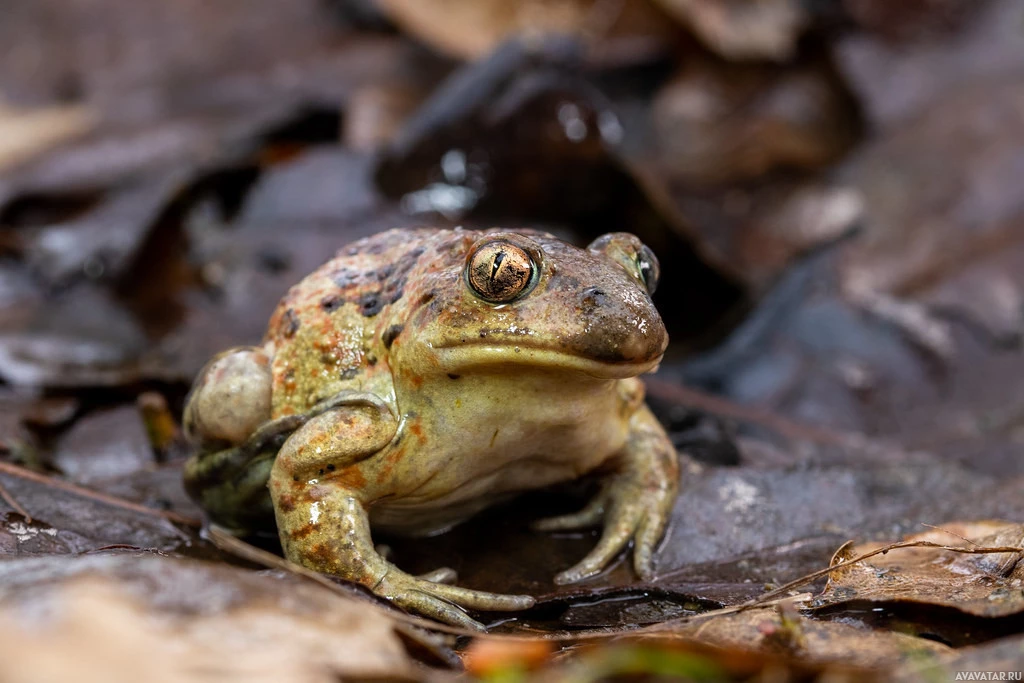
pixel 499 271
pixel 650 269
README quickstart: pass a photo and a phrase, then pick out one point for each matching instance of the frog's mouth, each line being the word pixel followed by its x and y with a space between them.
pixel 482 357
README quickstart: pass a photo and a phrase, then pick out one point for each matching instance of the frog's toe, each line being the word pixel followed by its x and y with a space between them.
pixel 642 519
pixel 480 600
pixel 433 607
pixel 588 517
pixel 443 602
pixel 648 535
pixel 616 536
pixel 445 575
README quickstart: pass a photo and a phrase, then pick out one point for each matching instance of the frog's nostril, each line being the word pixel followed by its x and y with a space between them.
pixel 593 297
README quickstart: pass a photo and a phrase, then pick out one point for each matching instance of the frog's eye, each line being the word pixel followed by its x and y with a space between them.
pixel 499 271
pixel 650 269
pixel 632 254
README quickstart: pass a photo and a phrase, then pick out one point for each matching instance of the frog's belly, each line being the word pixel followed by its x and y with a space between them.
pixel 427 512
pixel 448 474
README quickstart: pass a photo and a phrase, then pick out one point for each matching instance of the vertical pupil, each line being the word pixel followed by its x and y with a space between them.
pixel 499 258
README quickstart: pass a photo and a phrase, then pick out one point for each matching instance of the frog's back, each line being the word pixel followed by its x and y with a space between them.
pixel 324 334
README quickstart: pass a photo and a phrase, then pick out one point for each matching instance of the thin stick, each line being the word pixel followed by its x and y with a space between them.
pixel 980 550
pixel 239 548
pixel 677 393
pixel 947 531
pixel 13 503
pixel 106 499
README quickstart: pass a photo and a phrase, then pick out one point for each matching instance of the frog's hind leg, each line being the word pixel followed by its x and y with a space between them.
pixel 231 485
pixel 317 484
pixel 225 419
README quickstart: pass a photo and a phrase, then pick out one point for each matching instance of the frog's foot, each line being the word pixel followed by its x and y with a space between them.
pixel 630 516
pixel 443 602
pixel 635 504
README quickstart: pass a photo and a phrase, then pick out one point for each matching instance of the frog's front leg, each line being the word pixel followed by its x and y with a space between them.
pixel 635 502
pixel 316 485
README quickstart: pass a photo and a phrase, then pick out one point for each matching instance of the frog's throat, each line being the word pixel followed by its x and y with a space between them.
pixel 482 357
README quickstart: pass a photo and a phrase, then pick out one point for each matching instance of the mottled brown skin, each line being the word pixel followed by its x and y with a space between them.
pixel 399 398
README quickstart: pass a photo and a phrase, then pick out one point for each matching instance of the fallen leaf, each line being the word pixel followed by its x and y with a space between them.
pixel 743 29
pixel 1001 659
pixel 717 123
pixel 126 618
pixel 104 445
pixel 26 133
pixel 809 639
pixel 469 29
pixel 978 584
pixel 897 81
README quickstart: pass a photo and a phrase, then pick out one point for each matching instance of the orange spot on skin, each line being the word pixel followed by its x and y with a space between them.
pixel 388 466
pixel 321 555
pixel 416 381
pixel 299 534
pixel 286 503
pixel 352 478
pixel 417 430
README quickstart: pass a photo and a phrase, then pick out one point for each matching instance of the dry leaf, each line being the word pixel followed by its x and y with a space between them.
pixel 25 134
pixel 92 627
pixel 614 31
pixel 980 584
pixel 743 29
pixel 818 641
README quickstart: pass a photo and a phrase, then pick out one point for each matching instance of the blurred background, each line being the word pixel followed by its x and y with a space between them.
pixel 833 188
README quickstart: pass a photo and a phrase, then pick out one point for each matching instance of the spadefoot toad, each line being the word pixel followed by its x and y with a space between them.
pixel 420 376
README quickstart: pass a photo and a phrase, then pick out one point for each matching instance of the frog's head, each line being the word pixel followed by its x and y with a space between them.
pixel 528 299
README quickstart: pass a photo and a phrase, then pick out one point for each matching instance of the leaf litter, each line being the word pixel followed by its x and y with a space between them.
pixel 851 359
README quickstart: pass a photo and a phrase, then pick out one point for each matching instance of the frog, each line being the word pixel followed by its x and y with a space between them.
pixel 424 374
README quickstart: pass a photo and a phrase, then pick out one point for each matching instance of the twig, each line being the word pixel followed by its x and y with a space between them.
pixel 980 550
pixel 777 595
pixel 954 535
pixel 13 503
pixel 679 394
pixel 239 548
pixel 106 499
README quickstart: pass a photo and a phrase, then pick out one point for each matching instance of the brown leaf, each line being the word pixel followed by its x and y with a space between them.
pixel 27 133
pixel 809 639
pixel 980 584
pixel 104 445
pixel 615 32
pixel 721 123
pixel 743 29
pixel 896 82
pixel 1003 657
pixel 129 618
